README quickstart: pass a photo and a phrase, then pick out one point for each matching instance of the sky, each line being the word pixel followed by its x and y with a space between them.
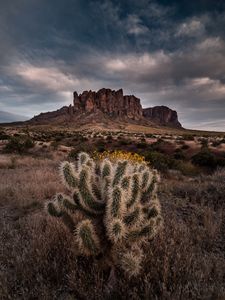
pixel 164 52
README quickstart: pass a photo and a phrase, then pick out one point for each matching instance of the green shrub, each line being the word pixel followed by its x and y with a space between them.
pixel 179 154
pixel 124 142
pixel 109 139
pixel 19 144
pixel 55 145
pixel 142 145
pixel 204 159
pixel 188 169
pixel 188 137
pixel 3 136
pixel 161 161
pixel 185 147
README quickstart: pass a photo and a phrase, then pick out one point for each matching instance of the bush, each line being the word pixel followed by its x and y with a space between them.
pixel 124 142
pixel 142 145
pixel 179 154
pixel 185 147
pixel 188 137
pixel 161 161
pixel 109 139
pixel 205 159
pixel 19 144
pixel 3 136
pixel 188 169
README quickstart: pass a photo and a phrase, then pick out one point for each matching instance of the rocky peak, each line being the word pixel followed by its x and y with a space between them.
pixel 111 102
pixel 162 115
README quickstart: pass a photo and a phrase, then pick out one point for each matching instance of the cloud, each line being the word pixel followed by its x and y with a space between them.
pixel 135 26
pixel 193 27
pixel 49 78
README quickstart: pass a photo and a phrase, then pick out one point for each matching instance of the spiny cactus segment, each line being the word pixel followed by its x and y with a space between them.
pixel 113 209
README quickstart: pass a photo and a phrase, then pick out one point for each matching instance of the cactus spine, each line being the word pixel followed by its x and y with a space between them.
pixel 118 208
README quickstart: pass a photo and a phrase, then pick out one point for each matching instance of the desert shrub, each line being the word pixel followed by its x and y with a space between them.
pixel 149 135
pixel 142 145
pixel 188 137
pixel 58 138
pixel 204 143
pixel 3 136
pixel 185 147
pixel 109 139
pixel 19 145
pixel 216 143
pixel 73 154
pixel 161 161
pixel 179 154
pixel 220 162
pixel 100 145
pixel 124 142
pixel 188 169
pixel 55 145
pixel 204 158
pixel 113 210
pixel 156 146
pixel 82 138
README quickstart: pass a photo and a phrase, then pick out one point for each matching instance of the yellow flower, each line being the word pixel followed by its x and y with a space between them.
pixel 119 155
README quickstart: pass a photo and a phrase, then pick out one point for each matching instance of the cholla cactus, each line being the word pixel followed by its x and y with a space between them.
pixel 118 208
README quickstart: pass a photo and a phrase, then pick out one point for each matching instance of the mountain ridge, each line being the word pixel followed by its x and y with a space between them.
pixel 109 107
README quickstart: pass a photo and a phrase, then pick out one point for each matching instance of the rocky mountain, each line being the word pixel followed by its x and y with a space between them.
pixel 112 103
pixel 107 106
pixel 162 115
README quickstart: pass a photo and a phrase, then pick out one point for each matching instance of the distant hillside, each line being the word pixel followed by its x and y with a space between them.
pixel 108 109
pixel 6 117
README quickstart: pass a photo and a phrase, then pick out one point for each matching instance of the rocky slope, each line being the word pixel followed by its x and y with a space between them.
pixel 107 106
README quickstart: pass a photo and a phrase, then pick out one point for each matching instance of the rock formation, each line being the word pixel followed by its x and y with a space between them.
pixel 110 102
pixel 162 115
pixel 107 104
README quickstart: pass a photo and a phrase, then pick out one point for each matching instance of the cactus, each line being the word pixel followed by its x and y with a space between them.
pixel 118 208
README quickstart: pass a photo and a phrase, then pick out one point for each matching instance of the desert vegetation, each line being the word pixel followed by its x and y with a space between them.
pixel 39 256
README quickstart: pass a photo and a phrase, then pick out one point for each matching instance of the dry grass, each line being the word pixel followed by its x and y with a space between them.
pixel 37 259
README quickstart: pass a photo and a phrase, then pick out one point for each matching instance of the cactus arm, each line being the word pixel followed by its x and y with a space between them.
pixel 125 183
pixel 116 230
pixel 131 263
pixel 120 171
pixel 149 191
pixel 68 222
pixel 87 238
pixel 115 203
pixel 87 198
pixel 132 218
pixel 135 190
pixel 83 158
pixel 96 191
pixel 68 175
pixel 145 231
pixel 53 210
pixel 106 168
pixel 86 211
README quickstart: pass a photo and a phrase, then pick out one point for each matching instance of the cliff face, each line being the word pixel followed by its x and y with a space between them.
pixel 110 102
pixel 106 104
pixel 162 115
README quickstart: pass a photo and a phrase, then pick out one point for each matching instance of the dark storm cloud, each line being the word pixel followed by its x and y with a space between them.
pixel 165 52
